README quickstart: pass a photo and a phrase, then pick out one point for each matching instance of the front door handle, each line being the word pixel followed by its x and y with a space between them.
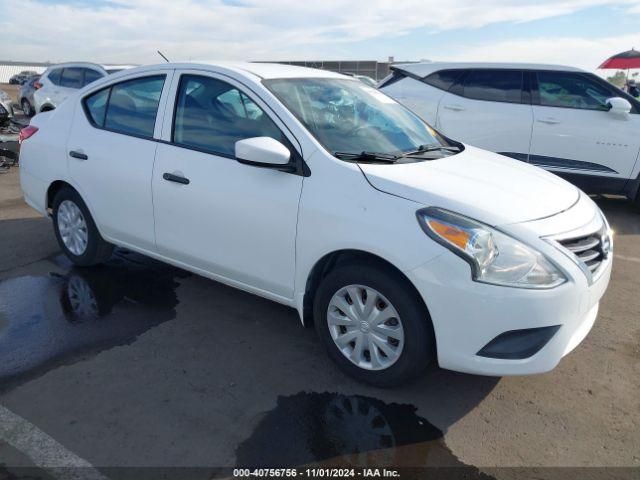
pixel 549 120
pixel 170 177
pixel 78 155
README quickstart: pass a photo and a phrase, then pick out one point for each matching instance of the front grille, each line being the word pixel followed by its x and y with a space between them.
pixel 591 249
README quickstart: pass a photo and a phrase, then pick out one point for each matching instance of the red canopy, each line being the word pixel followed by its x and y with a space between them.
pixel 623 61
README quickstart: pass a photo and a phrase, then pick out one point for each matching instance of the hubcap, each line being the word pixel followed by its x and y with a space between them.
pixel 72 227
pixel 365 327
pixel 81 298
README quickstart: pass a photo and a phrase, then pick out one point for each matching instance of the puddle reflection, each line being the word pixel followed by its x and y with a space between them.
pixel 331 429
pixel 56 317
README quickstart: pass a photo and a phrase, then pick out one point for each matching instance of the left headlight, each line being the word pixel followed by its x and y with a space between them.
pixel 494 257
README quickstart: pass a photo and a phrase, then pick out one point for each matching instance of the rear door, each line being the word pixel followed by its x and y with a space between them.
pixel 490 109
pixel 574 134
pixel 111 148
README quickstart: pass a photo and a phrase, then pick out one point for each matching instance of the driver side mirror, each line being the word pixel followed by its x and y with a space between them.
pixel 264 152
pixel 619 105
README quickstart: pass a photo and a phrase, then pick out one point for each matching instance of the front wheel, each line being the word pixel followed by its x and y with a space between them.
pixel 373 324
pixel 76 231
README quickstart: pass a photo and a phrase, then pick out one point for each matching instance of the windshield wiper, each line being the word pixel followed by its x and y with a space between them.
pixel 432 148
pixel 367 156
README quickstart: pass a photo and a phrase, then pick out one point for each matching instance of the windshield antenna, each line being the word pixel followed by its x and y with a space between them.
pixel 165 58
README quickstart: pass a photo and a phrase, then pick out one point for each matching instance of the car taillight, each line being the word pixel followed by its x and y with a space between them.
pixel 37 85
pixel 27 132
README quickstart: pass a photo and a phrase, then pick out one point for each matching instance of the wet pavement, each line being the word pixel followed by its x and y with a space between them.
pixel 71 313
pixel 139 364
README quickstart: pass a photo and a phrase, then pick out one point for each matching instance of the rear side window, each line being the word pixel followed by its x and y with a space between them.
pixel 54 76
pixel 494 85
pixel 128 107
pixel 443 79
pixel 72 77
pixel 212 115
pixel 90 76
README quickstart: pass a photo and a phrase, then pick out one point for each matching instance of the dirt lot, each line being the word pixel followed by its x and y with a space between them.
pixel 165 368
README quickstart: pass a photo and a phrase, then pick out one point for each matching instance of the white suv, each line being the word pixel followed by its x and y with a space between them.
pixel 563 119
pixel 61 80
pixel 319 192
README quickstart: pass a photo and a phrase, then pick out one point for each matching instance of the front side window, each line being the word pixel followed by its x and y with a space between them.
pixel 572 90
pixel 212 115
pixel 128 107
pixel 348 116
pixel 494 85
pixel 72 77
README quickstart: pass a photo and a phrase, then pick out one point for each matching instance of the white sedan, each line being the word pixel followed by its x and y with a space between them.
pixel 316 191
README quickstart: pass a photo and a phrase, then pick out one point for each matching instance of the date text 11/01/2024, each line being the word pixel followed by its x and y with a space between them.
pixel 316 472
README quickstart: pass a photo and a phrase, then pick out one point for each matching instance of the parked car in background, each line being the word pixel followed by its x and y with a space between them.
pixel 568 121
pixel 6 105
pixel 61 80
pixel 25 96
pixel 326 195
pixel 20 78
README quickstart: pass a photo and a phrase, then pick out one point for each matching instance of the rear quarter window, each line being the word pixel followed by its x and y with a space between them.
pixel 54 76
pixel 444 79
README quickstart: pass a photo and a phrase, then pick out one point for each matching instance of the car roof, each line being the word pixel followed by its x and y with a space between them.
pixel 425 68
pixel 76 64
pixel 257 69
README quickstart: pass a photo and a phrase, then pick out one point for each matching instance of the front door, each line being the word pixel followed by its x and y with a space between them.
pixel 575 136
pixel 234 221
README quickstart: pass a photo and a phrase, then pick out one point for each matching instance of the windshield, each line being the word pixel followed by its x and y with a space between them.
pixel 349 116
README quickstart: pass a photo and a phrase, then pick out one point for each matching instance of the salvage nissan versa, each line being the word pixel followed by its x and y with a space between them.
pixel 317 191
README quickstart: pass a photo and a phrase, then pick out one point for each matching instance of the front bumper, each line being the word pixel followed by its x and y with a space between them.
pixel 467 315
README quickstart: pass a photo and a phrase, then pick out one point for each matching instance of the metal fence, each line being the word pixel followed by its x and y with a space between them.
pixel 10 68
pixel 370 68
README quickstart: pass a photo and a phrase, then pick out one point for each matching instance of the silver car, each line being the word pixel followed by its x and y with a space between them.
pixel 25 97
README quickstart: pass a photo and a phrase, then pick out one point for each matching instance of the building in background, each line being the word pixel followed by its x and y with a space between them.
pixel 370 68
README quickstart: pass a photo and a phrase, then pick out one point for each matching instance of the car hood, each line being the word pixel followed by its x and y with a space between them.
pixel 486 186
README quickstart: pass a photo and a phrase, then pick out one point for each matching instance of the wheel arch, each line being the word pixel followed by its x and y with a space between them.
pixel 340 257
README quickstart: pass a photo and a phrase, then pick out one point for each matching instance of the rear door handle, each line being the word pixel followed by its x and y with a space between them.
pixel 78 155
pixel 170 177
pixel 549 120
pixel 455 108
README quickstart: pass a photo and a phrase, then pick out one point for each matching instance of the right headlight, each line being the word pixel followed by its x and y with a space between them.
pixel 495 257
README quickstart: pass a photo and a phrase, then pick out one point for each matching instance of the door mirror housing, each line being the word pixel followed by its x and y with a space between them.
pixel 263 152
pixel 619 105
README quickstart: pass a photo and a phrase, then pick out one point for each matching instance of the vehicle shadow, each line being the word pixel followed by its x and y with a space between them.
pixel 623 215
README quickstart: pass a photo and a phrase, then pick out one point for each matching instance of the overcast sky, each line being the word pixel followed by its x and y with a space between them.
pixel 575 32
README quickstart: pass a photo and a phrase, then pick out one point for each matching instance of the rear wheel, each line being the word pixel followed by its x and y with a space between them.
pixel 373 324
pixel 76 231
pixel 27 109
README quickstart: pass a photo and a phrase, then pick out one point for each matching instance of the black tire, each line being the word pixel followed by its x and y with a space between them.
pixel 27 109
pixel 419 341
pixel 97 250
